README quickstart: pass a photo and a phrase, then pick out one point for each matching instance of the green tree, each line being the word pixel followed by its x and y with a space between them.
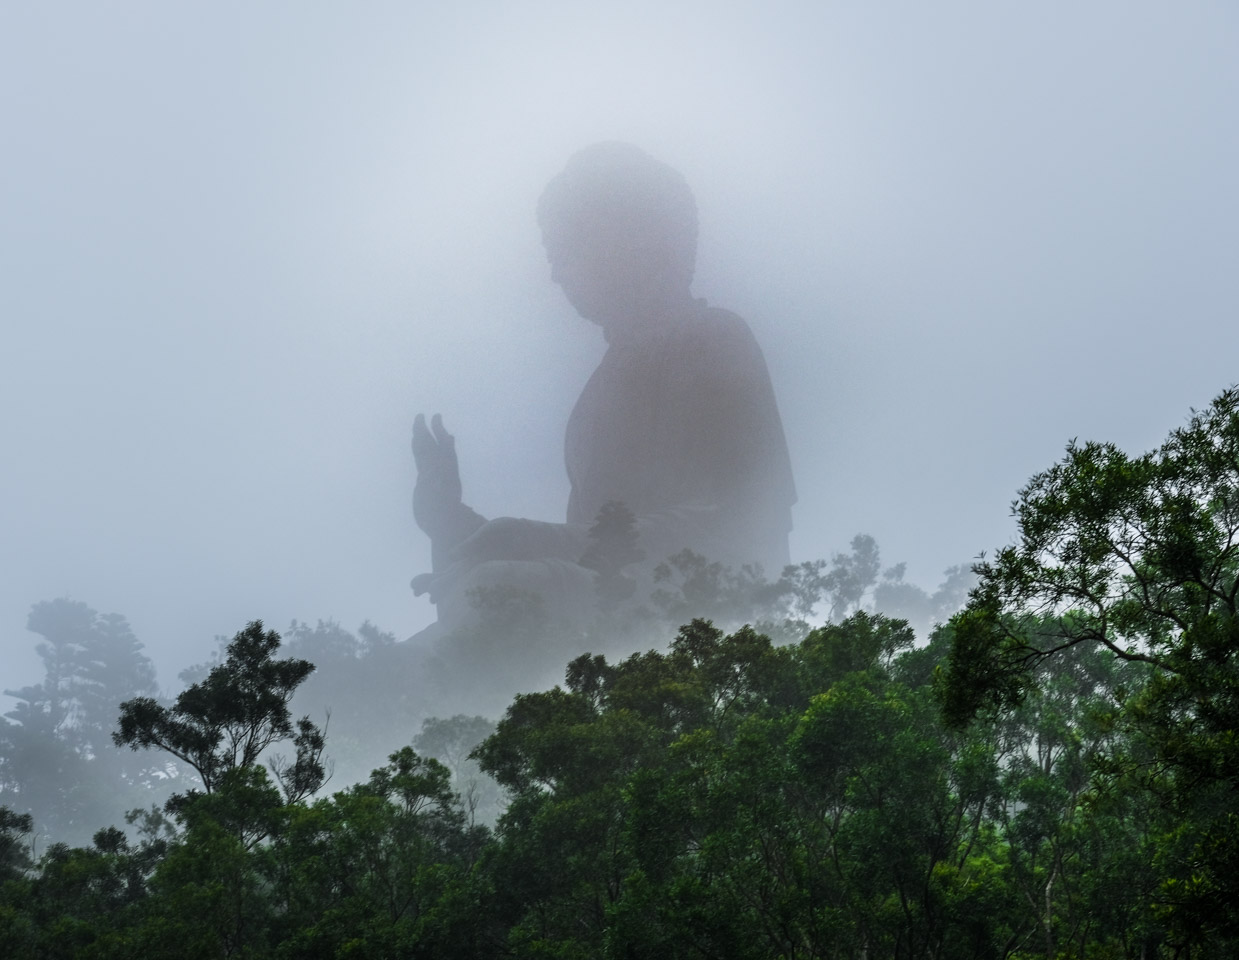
pixel 451 742
pixel 14 844
pixel 229 719
pixel 896 598
pixel 851 576
pixel 613 546
pixel 1137 557
pixel 382 869
pixel 363 684
pixel 56 754
pixel 732 798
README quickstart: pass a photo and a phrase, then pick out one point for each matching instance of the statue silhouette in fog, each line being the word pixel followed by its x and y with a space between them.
pixel 678 423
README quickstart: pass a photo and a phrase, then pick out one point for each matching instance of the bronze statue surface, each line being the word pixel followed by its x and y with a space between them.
pixel 678 423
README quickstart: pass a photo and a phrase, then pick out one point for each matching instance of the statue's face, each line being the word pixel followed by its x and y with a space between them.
pixel 606 276
pixel 590 274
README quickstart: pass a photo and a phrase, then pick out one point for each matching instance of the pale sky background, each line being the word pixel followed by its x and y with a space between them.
pixel 243 244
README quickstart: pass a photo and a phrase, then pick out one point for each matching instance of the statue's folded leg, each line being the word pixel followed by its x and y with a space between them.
pixel 566 589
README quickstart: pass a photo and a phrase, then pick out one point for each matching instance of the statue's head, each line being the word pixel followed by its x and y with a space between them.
pixel 620 230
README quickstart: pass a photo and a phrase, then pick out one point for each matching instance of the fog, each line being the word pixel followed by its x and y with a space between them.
pixel 243 245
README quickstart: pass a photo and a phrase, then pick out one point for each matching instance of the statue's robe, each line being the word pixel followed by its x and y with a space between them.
pixel 679 423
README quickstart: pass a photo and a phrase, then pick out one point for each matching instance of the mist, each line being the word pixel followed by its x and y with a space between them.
pixel 243 247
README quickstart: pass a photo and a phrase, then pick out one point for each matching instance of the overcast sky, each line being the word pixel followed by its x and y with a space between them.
pixel 243 244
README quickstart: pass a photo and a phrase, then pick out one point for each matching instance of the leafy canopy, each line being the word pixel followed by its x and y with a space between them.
pixel 1138 559
pixel 227 720
pixel 1139 555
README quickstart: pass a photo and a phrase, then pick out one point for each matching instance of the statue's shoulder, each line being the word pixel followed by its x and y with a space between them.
pixel 718 330
pixel 718 319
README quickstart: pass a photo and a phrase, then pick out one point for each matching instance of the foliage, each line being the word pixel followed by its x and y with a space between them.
pixel 14 857
pixel 725 797
pixel 613 546
pixel 1050 773
pixel 734 798
pixel 688 584
pixel 228 720
pixel 1136 558
pixel 451 741
pixel 56 755
pixel 381 869
pixel 373 690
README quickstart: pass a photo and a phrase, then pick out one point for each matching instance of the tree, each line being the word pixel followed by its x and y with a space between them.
pixel 226 721
pixel 14 855
pixel 613 546
pixel 451 742
pixel 1138 557
pixel 56 756
pixel 851 576
pixel 384 868
pixel 734 798
pixel 895 597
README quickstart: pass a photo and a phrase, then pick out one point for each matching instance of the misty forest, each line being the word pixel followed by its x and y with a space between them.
pixel 689 481
pixel 836 763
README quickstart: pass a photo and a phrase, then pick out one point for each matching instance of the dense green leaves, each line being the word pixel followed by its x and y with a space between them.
pixel 1137 560
pixel 732 798
pixel 724 798
pixel 1052 774
pixel 226 721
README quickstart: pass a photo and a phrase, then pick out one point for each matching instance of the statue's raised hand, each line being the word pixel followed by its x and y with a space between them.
pixel 437 505
pixel 437 494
